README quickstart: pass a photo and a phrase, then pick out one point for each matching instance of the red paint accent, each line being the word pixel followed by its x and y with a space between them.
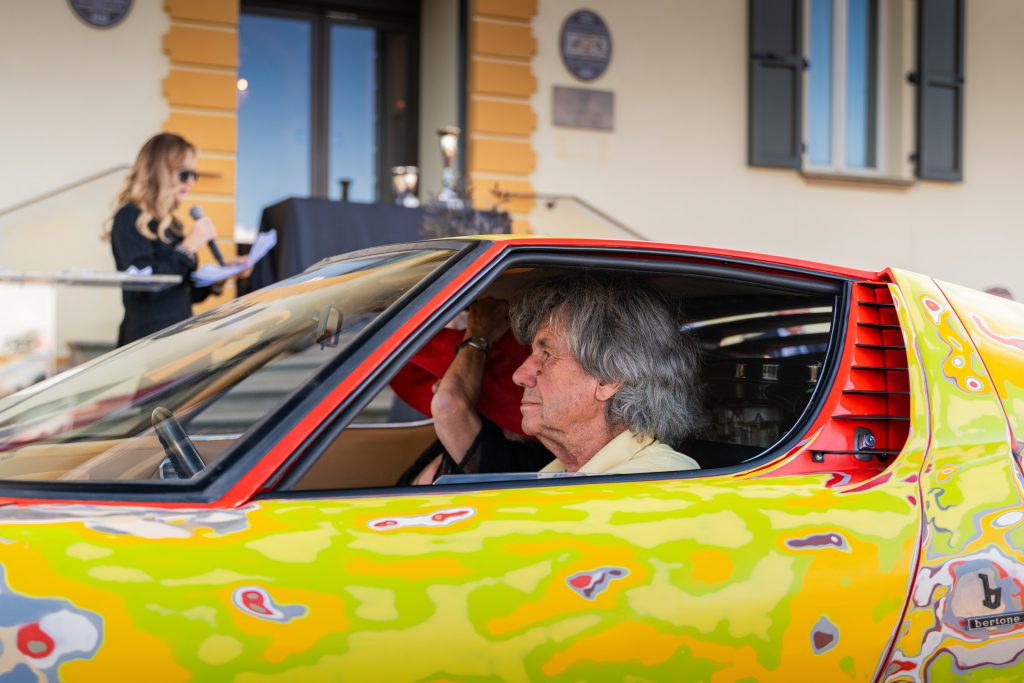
pixel 909 666
pixel 681 250
pixel 444 516
pixel 384 524
pixel 871 483
pixel 31 637
pixel 581 581
pixel 254 600
pixel 834 479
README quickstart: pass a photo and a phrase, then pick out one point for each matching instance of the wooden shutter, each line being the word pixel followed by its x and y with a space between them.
pixel 940 92
pixel 775 82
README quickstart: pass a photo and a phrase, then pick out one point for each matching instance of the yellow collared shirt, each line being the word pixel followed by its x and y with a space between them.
pixel 627 453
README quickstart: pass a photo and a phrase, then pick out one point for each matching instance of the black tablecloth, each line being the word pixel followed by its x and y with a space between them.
pixel 309 230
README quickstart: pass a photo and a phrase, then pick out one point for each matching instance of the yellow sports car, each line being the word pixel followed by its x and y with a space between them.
pixel 219 501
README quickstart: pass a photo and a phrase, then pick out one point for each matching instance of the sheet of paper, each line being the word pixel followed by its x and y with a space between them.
pixel 211 273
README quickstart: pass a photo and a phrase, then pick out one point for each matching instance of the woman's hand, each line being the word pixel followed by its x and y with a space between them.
pixel 202 232
pixel 237 261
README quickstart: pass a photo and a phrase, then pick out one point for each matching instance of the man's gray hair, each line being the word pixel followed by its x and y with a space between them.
pixel 622 330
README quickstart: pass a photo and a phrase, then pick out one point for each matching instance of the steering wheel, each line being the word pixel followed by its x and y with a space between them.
pixel 179 448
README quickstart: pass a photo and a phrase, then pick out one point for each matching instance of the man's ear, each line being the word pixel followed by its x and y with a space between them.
pixel 605 390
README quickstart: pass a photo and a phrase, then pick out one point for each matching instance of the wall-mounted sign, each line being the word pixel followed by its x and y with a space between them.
pixel 586 45
pixel 583 108
pixel 101 13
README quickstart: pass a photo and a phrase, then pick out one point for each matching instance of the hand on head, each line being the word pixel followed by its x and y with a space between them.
pixel 488 318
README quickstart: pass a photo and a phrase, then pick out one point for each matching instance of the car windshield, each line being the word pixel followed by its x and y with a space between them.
pixel 214 375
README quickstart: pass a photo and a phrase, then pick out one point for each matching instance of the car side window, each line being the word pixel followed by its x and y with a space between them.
pixel 764 350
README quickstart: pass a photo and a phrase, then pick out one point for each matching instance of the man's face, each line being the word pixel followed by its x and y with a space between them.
pixel 559 398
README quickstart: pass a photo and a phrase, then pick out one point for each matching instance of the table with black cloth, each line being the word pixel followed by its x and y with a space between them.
pixel 309 230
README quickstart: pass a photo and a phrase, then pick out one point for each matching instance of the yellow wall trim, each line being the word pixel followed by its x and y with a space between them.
pixel 511 118
pixel 498 78
pixel 210 132
pixel 201 89
pixel 212 11
pixel 503 156
pixel 500 116
pixel 509 9
pixel 200 46
pixel 503 39
pixel 216 176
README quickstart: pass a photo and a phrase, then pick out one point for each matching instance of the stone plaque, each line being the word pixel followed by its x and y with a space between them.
pixel 584 108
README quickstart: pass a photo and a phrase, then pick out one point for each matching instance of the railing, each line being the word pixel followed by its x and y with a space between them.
pixel 64 188
pixel 551 202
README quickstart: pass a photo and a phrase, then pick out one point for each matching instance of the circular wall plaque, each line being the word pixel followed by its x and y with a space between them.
pixel 101 13
pixel 586 45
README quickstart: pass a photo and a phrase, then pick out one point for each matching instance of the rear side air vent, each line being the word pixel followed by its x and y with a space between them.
pixel 868 426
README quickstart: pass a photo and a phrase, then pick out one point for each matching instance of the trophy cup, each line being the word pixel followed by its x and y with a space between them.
pixel 412 178
pixel 403 181
pixel 398 183
pixel 449 195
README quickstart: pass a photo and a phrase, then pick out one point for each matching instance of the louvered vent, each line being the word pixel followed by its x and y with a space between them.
pixel 870 422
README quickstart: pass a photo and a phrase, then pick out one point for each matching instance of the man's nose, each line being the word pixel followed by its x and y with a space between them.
pixel 525 374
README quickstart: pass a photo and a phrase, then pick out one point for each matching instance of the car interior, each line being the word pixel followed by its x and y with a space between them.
pixel 766 346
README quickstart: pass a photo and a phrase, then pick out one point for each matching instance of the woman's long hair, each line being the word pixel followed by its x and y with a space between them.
pixel 151 184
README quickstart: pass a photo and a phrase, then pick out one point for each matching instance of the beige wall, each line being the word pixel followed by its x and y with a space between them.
pixel 76 100
pixel 675 166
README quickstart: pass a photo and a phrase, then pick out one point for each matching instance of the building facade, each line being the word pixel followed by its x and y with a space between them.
pixel 863 132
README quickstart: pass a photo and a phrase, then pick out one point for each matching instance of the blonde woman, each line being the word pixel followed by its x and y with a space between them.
pixel 146 233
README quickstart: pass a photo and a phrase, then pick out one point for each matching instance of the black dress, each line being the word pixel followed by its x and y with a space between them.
pixel 149 312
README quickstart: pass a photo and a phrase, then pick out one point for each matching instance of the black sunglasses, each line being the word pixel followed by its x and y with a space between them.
pixel 186 174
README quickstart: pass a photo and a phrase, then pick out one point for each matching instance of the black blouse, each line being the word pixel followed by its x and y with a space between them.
pixel 149 312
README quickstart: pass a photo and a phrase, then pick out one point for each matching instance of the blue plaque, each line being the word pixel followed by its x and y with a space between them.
pixel 586 45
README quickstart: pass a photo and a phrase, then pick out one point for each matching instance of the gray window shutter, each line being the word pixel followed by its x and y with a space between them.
pixel 775 83
pixel 940 91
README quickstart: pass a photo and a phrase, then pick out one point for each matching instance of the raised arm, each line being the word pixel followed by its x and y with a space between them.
pixel 454 404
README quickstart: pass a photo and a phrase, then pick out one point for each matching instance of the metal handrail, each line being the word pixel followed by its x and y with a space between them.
pixel 63 188
pixel 551 201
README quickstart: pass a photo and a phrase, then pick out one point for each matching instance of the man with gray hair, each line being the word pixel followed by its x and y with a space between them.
pixel 611 383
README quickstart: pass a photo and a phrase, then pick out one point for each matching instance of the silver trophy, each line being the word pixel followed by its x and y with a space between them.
pixel 404 180
pixel 449 139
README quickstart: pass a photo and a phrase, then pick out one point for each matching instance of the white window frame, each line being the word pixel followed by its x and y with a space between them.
pixel 837 150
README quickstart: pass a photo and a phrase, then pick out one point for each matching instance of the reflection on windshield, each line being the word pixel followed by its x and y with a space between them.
pixel 218 374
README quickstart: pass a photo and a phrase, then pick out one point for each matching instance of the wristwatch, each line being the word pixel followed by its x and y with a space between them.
pixel 476 342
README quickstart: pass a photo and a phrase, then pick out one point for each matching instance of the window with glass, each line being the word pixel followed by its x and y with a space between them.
pixel 171 405
pixel 843 85
pixel 326 101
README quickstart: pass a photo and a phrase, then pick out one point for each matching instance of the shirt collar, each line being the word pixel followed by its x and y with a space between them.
pixel 622 448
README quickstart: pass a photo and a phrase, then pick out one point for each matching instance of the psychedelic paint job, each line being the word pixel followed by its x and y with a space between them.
pixel 971 567
pixel 703 576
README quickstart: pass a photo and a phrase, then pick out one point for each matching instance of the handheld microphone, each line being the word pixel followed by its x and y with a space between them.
pixel 197 212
